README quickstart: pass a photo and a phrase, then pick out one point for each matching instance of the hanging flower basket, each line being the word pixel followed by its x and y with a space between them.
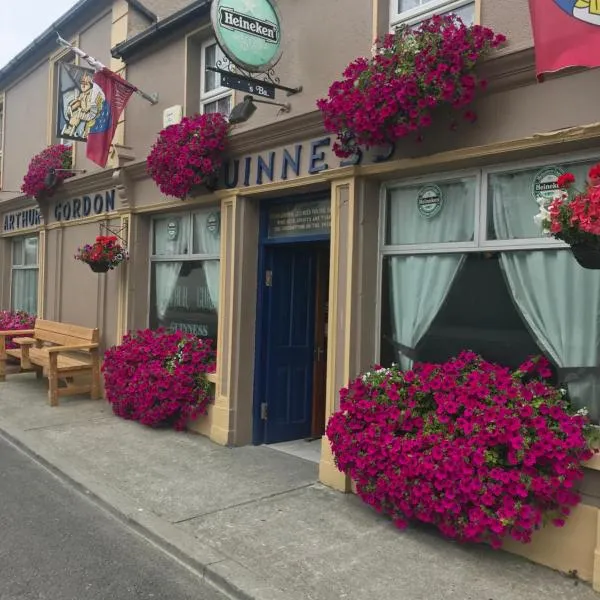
pixel 41 181
pixel 103 255
pixel 411 75
pixel 587 256
pixel 189 154
pixel 99 267
pixel 574 217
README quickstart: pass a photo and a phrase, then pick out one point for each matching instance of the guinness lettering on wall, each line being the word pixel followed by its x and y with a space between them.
pixel 249 32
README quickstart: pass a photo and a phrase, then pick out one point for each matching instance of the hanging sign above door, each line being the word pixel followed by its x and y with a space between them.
pixel 249 32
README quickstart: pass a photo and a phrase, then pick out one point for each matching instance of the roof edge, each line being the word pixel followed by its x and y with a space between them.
pixel 144 10
pixel 161 29
pixel 29 51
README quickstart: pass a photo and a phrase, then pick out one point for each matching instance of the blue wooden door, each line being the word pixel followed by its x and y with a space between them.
pixel 289 342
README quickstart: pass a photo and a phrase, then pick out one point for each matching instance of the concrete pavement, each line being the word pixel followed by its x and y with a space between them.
pixel 255 521
pixel 55 544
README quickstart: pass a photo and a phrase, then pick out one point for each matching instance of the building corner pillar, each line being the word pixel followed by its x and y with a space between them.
pixel 231 414
pixel 352 315
pixel 343 208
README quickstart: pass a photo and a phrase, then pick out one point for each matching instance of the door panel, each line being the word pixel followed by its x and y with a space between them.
pixel 289 343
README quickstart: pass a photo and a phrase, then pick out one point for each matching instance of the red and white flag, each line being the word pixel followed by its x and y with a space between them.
pixel 111 94
pixel 566 33
pixel 116 93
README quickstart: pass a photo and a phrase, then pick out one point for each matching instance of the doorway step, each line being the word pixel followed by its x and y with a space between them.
pixel 309 449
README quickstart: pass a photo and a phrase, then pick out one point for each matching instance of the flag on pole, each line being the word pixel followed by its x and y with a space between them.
pixel 116 93
pixel 113 92
pixel 566 33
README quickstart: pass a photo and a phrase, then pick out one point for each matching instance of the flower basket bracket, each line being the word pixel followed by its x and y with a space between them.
pixel 121 233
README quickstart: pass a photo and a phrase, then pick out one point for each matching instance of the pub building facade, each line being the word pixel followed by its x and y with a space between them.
pixel 307 269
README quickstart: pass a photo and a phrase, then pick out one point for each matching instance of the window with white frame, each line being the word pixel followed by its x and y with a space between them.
pixel 411 12
pixel 464 266
pixel 213 96
pixel 185 272
pixel 24 274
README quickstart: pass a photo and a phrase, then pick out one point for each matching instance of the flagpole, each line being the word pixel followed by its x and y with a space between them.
pixel 98 66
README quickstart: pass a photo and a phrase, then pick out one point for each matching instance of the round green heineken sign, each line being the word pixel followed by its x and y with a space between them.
pixel 249 32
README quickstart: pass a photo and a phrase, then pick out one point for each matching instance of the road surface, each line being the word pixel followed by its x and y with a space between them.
pixel 57 545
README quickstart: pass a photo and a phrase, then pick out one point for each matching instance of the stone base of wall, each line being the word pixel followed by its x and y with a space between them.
pixel 571 549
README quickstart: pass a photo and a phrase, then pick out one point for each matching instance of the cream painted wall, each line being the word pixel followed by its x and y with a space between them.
pixel 25 126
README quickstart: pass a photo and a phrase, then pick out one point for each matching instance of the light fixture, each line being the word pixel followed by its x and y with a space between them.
pixel 244 110
pixel 50 180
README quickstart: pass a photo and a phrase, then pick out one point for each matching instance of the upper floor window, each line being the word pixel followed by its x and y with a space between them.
pixel 67 88
pixel 213 96
pixel 411 12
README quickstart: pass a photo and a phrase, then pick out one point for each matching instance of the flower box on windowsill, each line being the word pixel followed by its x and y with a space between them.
pixel 587 256
pixel 208 187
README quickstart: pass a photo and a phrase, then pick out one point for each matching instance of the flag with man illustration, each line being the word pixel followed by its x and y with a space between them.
pixel 566 33
pixel 110 93
pixel 116 92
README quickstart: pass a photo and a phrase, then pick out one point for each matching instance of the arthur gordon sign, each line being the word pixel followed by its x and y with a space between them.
pixel 86 206
pixel 26 218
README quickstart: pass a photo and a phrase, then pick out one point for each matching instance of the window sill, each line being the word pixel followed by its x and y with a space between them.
pixel 593 463
pixel 212 377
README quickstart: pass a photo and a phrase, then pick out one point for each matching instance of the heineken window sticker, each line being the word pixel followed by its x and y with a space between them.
pixel 172 230
pixel 430 201
pixel 545 182
pixel 213 223
pixel 249 32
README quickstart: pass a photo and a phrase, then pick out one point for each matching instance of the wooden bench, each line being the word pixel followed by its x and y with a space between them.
pixel 63 353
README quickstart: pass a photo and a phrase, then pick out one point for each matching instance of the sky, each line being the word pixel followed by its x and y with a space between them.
pixel 21 21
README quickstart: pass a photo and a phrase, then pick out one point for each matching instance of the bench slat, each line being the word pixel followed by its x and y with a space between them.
pixel 65 334
pixel 24 340
pixel 39 356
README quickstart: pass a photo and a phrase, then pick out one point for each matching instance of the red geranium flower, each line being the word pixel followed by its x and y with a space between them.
pixel 564 181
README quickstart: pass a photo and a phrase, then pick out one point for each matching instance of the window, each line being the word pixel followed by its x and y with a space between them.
pixel 185 274
pixel 24 276
pixel 213 96
pixel 411 12
pixel 464 266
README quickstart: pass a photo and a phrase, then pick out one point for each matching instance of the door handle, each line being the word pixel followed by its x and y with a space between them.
pixel 319 353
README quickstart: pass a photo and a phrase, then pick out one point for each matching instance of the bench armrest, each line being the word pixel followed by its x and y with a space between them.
pixel 24 341
pixel 8 333
pixel 57 349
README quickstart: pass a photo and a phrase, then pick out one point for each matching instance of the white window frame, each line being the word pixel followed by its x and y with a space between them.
pixel 188 257
pixel 24 267
pixel 480 243
pixel 419 13
pixel 219 92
